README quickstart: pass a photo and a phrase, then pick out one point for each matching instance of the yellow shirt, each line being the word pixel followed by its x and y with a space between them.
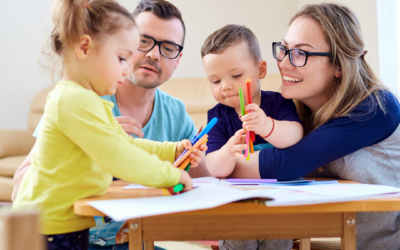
pixel 79 148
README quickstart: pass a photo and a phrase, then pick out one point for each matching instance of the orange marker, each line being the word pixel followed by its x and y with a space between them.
pixel 251 147
pixel 186 155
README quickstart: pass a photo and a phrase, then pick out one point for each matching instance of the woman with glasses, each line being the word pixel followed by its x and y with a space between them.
pixel 350 119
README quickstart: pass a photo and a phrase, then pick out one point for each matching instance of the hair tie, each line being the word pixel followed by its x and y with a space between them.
pixel 85 5
pixel 363 54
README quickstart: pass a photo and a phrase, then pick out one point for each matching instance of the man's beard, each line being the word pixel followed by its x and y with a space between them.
pixel 143 81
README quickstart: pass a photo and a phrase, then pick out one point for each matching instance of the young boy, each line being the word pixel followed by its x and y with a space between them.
pixel 230 56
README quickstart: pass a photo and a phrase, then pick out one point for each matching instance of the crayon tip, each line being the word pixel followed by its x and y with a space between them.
pixel 178 188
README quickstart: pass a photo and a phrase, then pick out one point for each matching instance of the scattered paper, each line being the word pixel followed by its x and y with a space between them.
pixel 197 182
pixel 208 196
pixel 135 186
pixel 203 181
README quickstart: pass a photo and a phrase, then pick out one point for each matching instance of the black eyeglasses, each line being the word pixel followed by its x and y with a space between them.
pixel 298 57
pixel 167 49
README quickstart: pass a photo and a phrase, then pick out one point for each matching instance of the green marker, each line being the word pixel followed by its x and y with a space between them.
pixel 241 101
pixel 187 168
pixel 178 188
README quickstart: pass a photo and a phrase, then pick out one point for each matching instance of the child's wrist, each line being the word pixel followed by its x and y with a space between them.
pixel 269 128
pixel 227 149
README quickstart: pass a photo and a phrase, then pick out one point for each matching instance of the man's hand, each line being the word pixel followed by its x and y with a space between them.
pixel 197 154
pixel 130 126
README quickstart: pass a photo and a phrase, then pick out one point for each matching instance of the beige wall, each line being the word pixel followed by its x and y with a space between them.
pixel 267 19
pixel 23 32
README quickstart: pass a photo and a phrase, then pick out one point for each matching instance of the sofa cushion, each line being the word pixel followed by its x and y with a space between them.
pixel 197 96
pixel 195 93
pixel 15 142
pixel 6 185
pixel 10 164
pixel 37 108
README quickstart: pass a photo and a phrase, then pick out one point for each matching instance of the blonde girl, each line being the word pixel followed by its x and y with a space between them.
pixel 80 145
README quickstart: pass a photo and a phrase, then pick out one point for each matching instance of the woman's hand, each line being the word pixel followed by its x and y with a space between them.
pixel 197 154
pixel 130 126
pixel 256 121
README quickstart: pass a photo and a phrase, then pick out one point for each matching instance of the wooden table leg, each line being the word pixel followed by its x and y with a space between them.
pixel 305 244
pixel 135 234
pixel 149 245
pixel 348 241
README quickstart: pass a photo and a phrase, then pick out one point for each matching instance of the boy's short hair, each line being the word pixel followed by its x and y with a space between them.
pixel 230 35
pixel 161 9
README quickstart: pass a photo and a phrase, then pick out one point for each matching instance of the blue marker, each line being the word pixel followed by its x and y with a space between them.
pixel 207 129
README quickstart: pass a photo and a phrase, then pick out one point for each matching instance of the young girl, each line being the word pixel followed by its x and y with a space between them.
pixel 80 145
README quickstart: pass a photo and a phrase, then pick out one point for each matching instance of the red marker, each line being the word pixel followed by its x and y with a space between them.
pixel 250 101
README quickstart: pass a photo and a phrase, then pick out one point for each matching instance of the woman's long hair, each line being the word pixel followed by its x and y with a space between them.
pixel 358 81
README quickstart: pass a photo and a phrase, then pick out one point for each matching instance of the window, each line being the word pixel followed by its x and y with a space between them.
pixel 388 16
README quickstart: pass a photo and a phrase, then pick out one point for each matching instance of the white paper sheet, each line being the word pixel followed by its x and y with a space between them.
pixel 197 182
pixel 203 181
pixel 316 194
pixel 209 196
pixel 135 186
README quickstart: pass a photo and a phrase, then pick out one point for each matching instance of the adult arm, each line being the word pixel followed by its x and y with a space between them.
pixel 19 174
pixel 331 141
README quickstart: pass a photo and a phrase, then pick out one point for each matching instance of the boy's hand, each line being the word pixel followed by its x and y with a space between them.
pixel 185 180
pixel 256 120
pixel 236 144
pixel 195 156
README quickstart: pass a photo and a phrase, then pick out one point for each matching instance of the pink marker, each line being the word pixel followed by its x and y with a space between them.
pixel 246 151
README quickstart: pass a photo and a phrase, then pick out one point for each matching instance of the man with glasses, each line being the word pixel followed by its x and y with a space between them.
pixel 140 107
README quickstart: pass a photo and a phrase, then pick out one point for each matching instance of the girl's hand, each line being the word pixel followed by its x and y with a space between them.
pixel 256 121
pixel 195 156
pixel 185 180
pixel 236 144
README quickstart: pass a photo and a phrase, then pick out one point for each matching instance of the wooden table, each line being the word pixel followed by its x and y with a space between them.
pixel 242 220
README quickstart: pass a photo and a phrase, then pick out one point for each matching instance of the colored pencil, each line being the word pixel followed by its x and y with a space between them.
pixel 251 147
pixel 250 101
pixel 246 151
pixel 241 101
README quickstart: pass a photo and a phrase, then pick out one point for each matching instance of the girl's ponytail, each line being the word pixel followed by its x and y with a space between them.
pixel 74 18
pixel 69 22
